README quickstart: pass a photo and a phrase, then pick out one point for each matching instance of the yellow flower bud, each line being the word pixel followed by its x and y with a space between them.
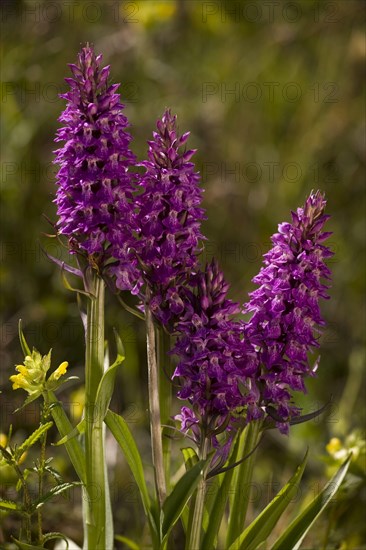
pixel 61 370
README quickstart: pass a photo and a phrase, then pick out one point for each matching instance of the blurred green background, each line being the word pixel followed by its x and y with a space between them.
pixel 272 93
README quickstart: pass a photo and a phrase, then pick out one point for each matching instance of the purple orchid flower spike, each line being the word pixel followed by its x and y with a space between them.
pixel 215 363
pixel 162 250
pixel 286 319
pixel 94 183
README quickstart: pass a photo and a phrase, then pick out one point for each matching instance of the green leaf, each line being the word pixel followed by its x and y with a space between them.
pixel 54 473
pixel 53 385
pixel 128 542
pixel 72 289
pixel 241 482
pixel 122 434
pixel 273 418
pixel 23 341
pixel 216 501
pixel 106 387
pixel 185 518
pixel 79 429
pixel 57 490
pixel 297 530
pixel 64 427
pixel 120 347
pixel 25 546
pixel 190 457
pixel 32 439
pixel 11 506
pixel 176 501
pixel 29 399
pixel 260 529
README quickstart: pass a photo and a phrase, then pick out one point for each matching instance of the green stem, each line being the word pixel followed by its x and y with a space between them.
pixel 98 509
pixel 40 477
pixel 194 539
pixel 165 396
pixel 242 482
pixel 27 504
pixel 154 405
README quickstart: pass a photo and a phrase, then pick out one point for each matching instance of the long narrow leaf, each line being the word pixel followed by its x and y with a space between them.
pixel 217 500
pixel 33 438
pixel 122 434
pixel 176 501
pixel 24 546
pixel 65 427
pixel 105 389
pixel 260 529
pixel 242 482
pixel 23 341
pixel 190 457
pixel 57 490
pixel 78 430
pixel 127 542
pixel 11 506
pixel 296 532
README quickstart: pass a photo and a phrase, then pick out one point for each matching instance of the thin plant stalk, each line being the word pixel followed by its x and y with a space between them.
pixel 154 405
pixel 165 395
pixel 40 477
pixel 26 522
pixel 98 510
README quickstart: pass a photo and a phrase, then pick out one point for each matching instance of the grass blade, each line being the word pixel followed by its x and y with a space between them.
pixel 297 530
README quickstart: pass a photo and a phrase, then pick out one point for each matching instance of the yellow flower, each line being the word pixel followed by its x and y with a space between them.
pixel 31 375
pixel 3 440
pixel 22 369
pixel 334 445
pixel 20 381
pixel 60 370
